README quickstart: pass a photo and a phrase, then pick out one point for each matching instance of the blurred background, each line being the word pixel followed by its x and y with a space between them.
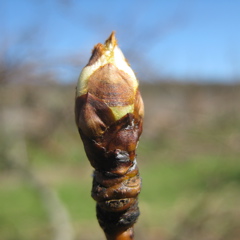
pixel 186 55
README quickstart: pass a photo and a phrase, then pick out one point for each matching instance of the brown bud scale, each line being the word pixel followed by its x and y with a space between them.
pixel 109 113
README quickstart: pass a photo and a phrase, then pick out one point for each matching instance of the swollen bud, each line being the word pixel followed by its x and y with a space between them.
pixel 109 113
pixel 108 78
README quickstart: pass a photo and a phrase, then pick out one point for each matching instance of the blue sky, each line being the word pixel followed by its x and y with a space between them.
pixel 173 39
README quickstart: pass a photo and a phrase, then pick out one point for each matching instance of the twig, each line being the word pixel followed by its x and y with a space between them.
pixel 109 112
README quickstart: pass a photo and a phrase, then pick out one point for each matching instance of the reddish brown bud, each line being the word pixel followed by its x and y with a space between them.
pixel 109 111
pixel 109 77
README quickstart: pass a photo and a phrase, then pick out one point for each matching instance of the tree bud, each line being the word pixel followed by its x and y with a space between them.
pixel 109 114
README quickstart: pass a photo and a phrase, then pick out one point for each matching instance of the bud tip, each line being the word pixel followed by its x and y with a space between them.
pixel 111 42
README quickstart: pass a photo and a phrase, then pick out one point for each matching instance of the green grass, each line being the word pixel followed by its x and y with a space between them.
pixel 76 196
pixel 168 187
pixel 190 170
pixel 22 215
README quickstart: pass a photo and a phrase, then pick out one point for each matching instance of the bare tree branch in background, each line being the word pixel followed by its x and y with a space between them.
pixel 20 58
pixel 13 153
pixel 140 37
pixel 27 51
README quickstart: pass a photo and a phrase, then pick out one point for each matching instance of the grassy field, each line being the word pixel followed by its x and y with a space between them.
pixel 189 160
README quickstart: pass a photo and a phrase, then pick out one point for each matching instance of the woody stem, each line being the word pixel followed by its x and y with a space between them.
pixel 126 235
